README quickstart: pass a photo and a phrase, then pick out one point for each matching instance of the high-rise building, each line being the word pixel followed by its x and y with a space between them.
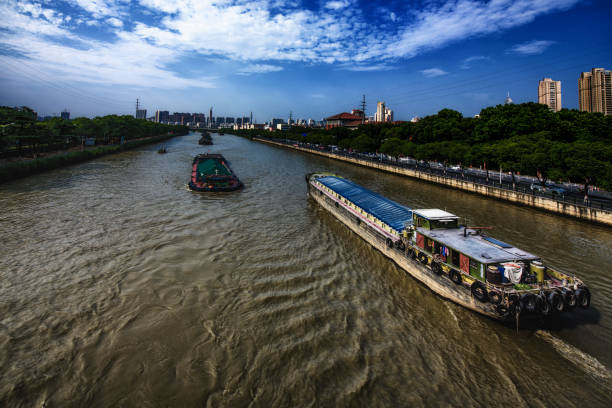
pixel 383 113
pixel 595 91
pixel 380 112
pixel 65 114
pixel 549 93
pixel 388 115
pixel 162 116
pixel 141 114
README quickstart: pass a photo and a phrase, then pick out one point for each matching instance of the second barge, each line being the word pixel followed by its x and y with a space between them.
pixel 457 262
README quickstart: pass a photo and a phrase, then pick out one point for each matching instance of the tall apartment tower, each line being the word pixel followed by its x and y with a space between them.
pixel 379 116
pixel 388 115
pixel 595 91
pixel 549 93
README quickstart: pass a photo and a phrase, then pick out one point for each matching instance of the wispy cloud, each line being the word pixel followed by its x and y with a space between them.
pixel 336 4
pixel 531 47
pixel 468 62
pixel 433 72
pixel 366 67
pixel 259 69
pixel 254 32
pixel 436 27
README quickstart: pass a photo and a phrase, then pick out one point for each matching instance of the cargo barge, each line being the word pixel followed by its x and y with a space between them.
pixel 458 262
pixel 211 172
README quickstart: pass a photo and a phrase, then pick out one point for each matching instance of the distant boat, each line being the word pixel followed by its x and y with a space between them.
pixel 205 139
pixel 162 149
pixel 211 172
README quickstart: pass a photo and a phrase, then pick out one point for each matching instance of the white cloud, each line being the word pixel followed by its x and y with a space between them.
pixel 468 62
pixel 461 19
pixel 366 67
pixel 130 60
pixel 433 72
pixel 249 31
pixel 115 22
pixel 336 4
pixel 259 69
pixel 531 47
pixel 100 8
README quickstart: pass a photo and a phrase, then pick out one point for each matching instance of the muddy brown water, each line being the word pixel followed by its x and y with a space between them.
pixel 120 287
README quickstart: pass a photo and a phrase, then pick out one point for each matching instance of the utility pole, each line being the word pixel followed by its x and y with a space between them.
pixel 363 106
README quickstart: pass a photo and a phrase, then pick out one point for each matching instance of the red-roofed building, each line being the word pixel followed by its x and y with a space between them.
pixel 344 119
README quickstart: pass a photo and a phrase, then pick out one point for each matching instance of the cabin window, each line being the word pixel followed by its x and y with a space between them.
pixel 429 244
pixel 454 258
pixel 444 224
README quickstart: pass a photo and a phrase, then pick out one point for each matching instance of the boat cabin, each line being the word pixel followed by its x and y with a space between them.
pixel 468 250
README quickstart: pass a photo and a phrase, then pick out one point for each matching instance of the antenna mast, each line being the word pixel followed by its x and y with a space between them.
pixel 363 106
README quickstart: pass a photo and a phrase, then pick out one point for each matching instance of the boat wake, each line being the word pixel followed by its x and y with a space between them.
pixel 582 360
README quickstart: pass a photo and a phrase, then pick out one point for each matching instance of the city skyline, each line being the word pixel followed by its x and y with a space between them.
pixel 312 58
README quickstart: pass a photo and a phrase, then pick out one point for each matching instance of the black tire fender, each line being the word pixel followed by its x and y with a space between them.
pixel 389 243
pixel 423 258
pixel 569 298
pixel 529 302
pixel 556 302
pixel 479 292
pixel 436 268
pixel 584 297
pixel 543 305
pixel 495 298
pixel 455 277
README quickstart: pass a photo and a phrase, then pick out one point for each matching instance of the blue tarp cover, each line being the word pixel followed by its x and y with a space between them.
pixel 389 212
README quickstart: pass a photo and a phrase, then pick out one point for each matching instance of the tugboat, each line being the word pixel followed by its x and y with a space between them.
pixel 206 139
pixel 211 172
pixel 458 262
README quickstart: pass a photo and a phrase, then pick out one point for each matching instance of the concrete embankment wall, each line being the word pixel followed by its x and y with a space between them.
pixel 572 210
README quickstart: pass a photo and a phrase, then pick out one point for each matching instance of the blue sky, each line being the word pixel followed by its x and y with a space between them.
pixel 314 58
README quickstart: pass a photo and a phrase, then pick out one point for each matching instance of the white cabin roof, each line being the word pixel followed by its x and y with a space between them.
pixel 434 214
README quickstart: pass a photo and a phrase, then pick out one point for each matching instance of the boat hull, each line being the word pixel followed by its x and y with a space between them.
pixel 207 181
pixel 439 284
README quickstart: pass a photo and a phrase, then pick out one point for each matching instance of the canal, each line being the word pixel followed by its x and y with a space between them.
pixel 120 287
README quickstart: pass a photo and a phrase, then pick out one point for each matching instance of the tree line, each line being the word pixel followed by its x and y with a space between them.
pixel 524 139
pixel 22 134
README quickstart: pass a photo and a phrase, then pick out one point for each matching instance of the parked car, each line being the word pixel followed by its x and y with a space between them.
pixel 548 188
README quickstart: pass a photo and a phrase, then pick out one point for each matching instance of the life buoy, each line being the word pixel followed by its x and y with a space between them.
pixel 528 302
pixel 495 297
pixel 584 297
pixel 556 302
pixel 478 291
pixel 455 277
